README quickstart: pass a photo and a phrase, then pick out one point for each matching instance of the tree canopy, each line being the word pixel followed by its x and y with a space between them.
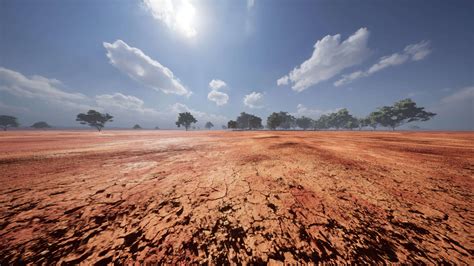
pixel 137 126
pixel 41 124
pixel 248 121
pixel 304 122
pixel 232 124
pixel 185 119
pixel 94 119
pixel 209 125
pixel 7 121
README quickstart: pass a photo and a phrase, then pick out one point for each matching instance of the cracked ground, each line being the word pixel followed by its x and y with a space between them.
pixel 236 197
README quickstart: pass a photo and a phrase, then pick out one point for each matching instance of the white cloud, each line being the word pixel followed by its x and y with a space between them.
pixel 283 80
pixel 38 87
pixel 329 58
pixel 419 50
pixel 34 87
pixel 178 15
pixel 119 101
pixel 220 98
pixel 140 67
pixel 216 84
pixel 413 52
pixel 254 100
pixel 302 110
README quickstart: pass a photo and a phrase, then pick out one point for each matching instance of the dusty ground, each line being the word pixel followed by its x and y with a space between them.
pixel 218 197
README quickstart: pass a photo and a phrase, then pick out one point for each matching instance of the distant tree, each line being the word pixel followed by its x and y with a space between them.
pixel 374 119
pixel 363 122
pixel 40 124
pixel 352 123
pixel 209 125
pixel 255 122
pixel 185 119
pixel 94 119
pixel 304 122
pixel 288 121
pixel 137 126
pixel 402 112
pixel 232 124
pixel 248 121
pixel 224 127
pixel 321 123
pixel 274 121
pixel 157 127
pixel 7 121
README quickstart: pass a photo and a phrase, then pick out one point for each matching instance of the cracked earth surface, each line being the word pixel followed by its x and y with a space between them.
pixel 236 197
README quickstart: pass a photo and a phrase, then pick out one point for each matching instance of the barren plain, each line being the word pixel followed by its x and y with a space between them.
pixel 216 197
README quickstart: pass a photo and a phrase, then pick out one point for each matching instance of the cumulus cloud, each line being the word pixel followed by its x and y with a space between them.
pixel 412 52
pixel 220 98
pixel 254 100
pixel 329 58
pixel 216 84
pixel 177 15
pixel 140 67
pixel 302 110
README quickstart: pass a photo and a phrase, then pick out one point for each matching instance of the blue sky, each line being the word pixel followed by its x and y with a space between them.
pixel 145 61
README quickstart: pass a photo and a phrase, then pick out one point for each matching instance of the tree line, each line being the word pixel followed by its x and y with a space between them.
pixel 400 113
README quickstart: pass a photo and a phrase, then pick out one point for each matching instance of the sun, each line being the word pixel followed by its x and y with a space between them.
pixel 185 18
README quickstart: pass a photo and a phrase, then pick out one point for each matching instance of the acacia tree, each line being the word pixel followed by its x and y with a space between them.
pixel 7 121
pixel 402 112
pixel 352 123
pixel 94 119
pixel 41 124
pixel 304 122
pixel 185 119
pixel 209 125
pixel 137 126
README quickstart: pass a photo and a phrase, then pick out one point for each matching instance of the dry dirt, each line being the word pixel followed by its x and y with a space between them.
pixel 236 197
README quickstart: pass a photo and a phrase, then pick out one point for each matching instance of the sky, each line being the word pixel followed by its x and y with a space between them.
pixel 146 61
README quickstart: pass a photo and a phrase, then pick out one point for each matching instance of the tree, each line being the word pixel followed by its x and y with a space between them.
pixel 40 124
pixel 321 123
pixel 232 124
pixel 363 122
pixel 402 112
pixel 248 121
pixel 7 121
pixel 255 122
pixel 374 119
pixel 185 119
pixel 288 121
pixel 209 125
pixel 352 123
pixel 274 121
pixel 157 127
pixel 137 126
pixel 224 127
pixel 304 122
pixel 94 119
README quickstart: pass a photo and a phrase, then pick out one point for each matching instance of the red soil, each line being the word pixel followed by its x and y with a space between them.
pixel 216 197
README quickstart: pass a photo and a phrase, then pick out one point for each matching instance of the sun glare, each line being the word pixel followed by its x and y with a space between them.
pixel 185 17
